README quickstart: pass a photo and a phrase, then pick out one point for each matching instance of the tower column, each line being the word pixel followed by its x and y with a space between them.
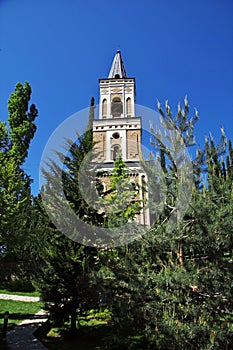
pixel 118 129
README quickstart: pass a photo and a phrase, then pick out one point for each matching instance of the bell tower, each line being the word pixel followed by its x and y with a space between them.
pixel 118 130
pixel 117 93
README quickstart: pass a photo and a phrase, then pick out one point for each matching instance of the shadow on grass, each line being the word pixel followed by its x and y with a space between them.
pixel 85 338
pixel 20 316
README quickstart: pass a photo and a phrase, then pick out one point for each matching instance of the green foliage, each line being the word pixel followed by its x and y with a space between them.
pixel 4 289
pixel 119 199
pixel 15 196
pixel 18 285
pixel 172 286
pixel 63 276
pixel 21 121
pixel 66 267
pixel 175 286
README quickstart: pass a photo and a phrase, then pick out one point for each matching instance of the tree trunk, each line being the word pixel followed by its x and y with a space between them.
pixel 73 316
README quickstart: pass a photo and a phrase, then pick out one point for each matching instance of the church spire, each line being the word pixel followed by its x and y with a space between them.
pixel 117 70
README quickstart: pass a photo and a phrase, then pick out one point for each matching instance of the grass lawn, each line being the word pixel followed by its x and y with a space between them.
pixel 18 310
pixel 28 294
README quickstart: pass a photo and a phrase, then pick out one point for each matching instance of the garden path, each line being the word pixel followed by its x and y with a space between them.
pixel 21 337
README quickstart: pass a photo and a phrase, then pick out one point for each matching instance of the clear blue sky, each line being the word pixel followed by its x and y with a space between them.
pixel 172 48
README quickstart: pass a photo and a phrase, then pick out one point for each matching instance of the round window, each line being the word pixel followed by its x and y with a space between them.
pixel 116 135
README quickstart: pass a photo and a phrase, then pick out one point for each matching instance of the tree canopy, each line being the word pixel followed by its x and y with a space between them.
pixel 15 192
pixel 172 285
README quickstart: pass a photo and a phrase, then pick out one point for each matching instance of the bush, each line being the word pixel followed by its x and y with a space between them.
pixel 128 343
pixel 18 285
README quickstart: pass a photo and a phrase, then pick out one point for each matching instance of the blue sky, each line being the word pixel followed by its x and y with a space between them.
pixel 172 48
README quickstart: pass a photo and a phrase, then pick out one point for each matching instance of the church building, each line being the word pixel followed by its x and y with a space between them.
pixel 119 131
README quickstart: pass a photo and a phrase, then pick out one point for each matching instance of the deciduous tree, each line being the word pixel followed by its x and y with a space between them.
pixel 15 194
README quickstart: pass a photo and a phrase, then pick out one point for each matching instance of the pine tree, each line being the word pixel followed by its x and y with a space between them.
pixel 67 266
pixel 120 199
pixel 174 286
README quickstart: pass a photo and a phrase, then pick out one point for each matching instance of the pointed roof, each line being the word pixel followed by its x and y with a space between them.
pixel 117 70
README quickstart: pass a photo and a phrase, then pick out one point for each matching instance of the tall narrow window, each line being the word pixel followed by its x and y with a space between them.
pixel 116 152
pixel 134 189
pixel 104 108
pixel 128 106
pixel 116 107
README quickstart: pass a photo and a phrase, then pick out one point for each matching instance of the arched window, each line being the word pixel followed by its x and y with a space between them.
pixel 134 189
pixel 104 108
pixel 116 107
pixel 116 152
pixel 128 106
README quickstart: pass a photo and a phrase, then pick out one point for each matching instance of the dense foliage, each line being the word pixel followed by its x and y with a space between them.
pixel 174 286
pixel 170 288
pixel 15 193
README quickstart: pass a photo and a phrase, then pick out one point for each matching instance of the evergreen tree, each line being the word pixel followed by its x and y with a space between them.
pixel 119 202
pixel 174 286
pixel 67 266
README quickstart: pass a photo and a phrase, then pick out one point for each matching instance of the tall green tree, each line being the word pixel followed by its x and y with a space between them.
pixel 175 286
pixel 15 194
pixel 66 266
